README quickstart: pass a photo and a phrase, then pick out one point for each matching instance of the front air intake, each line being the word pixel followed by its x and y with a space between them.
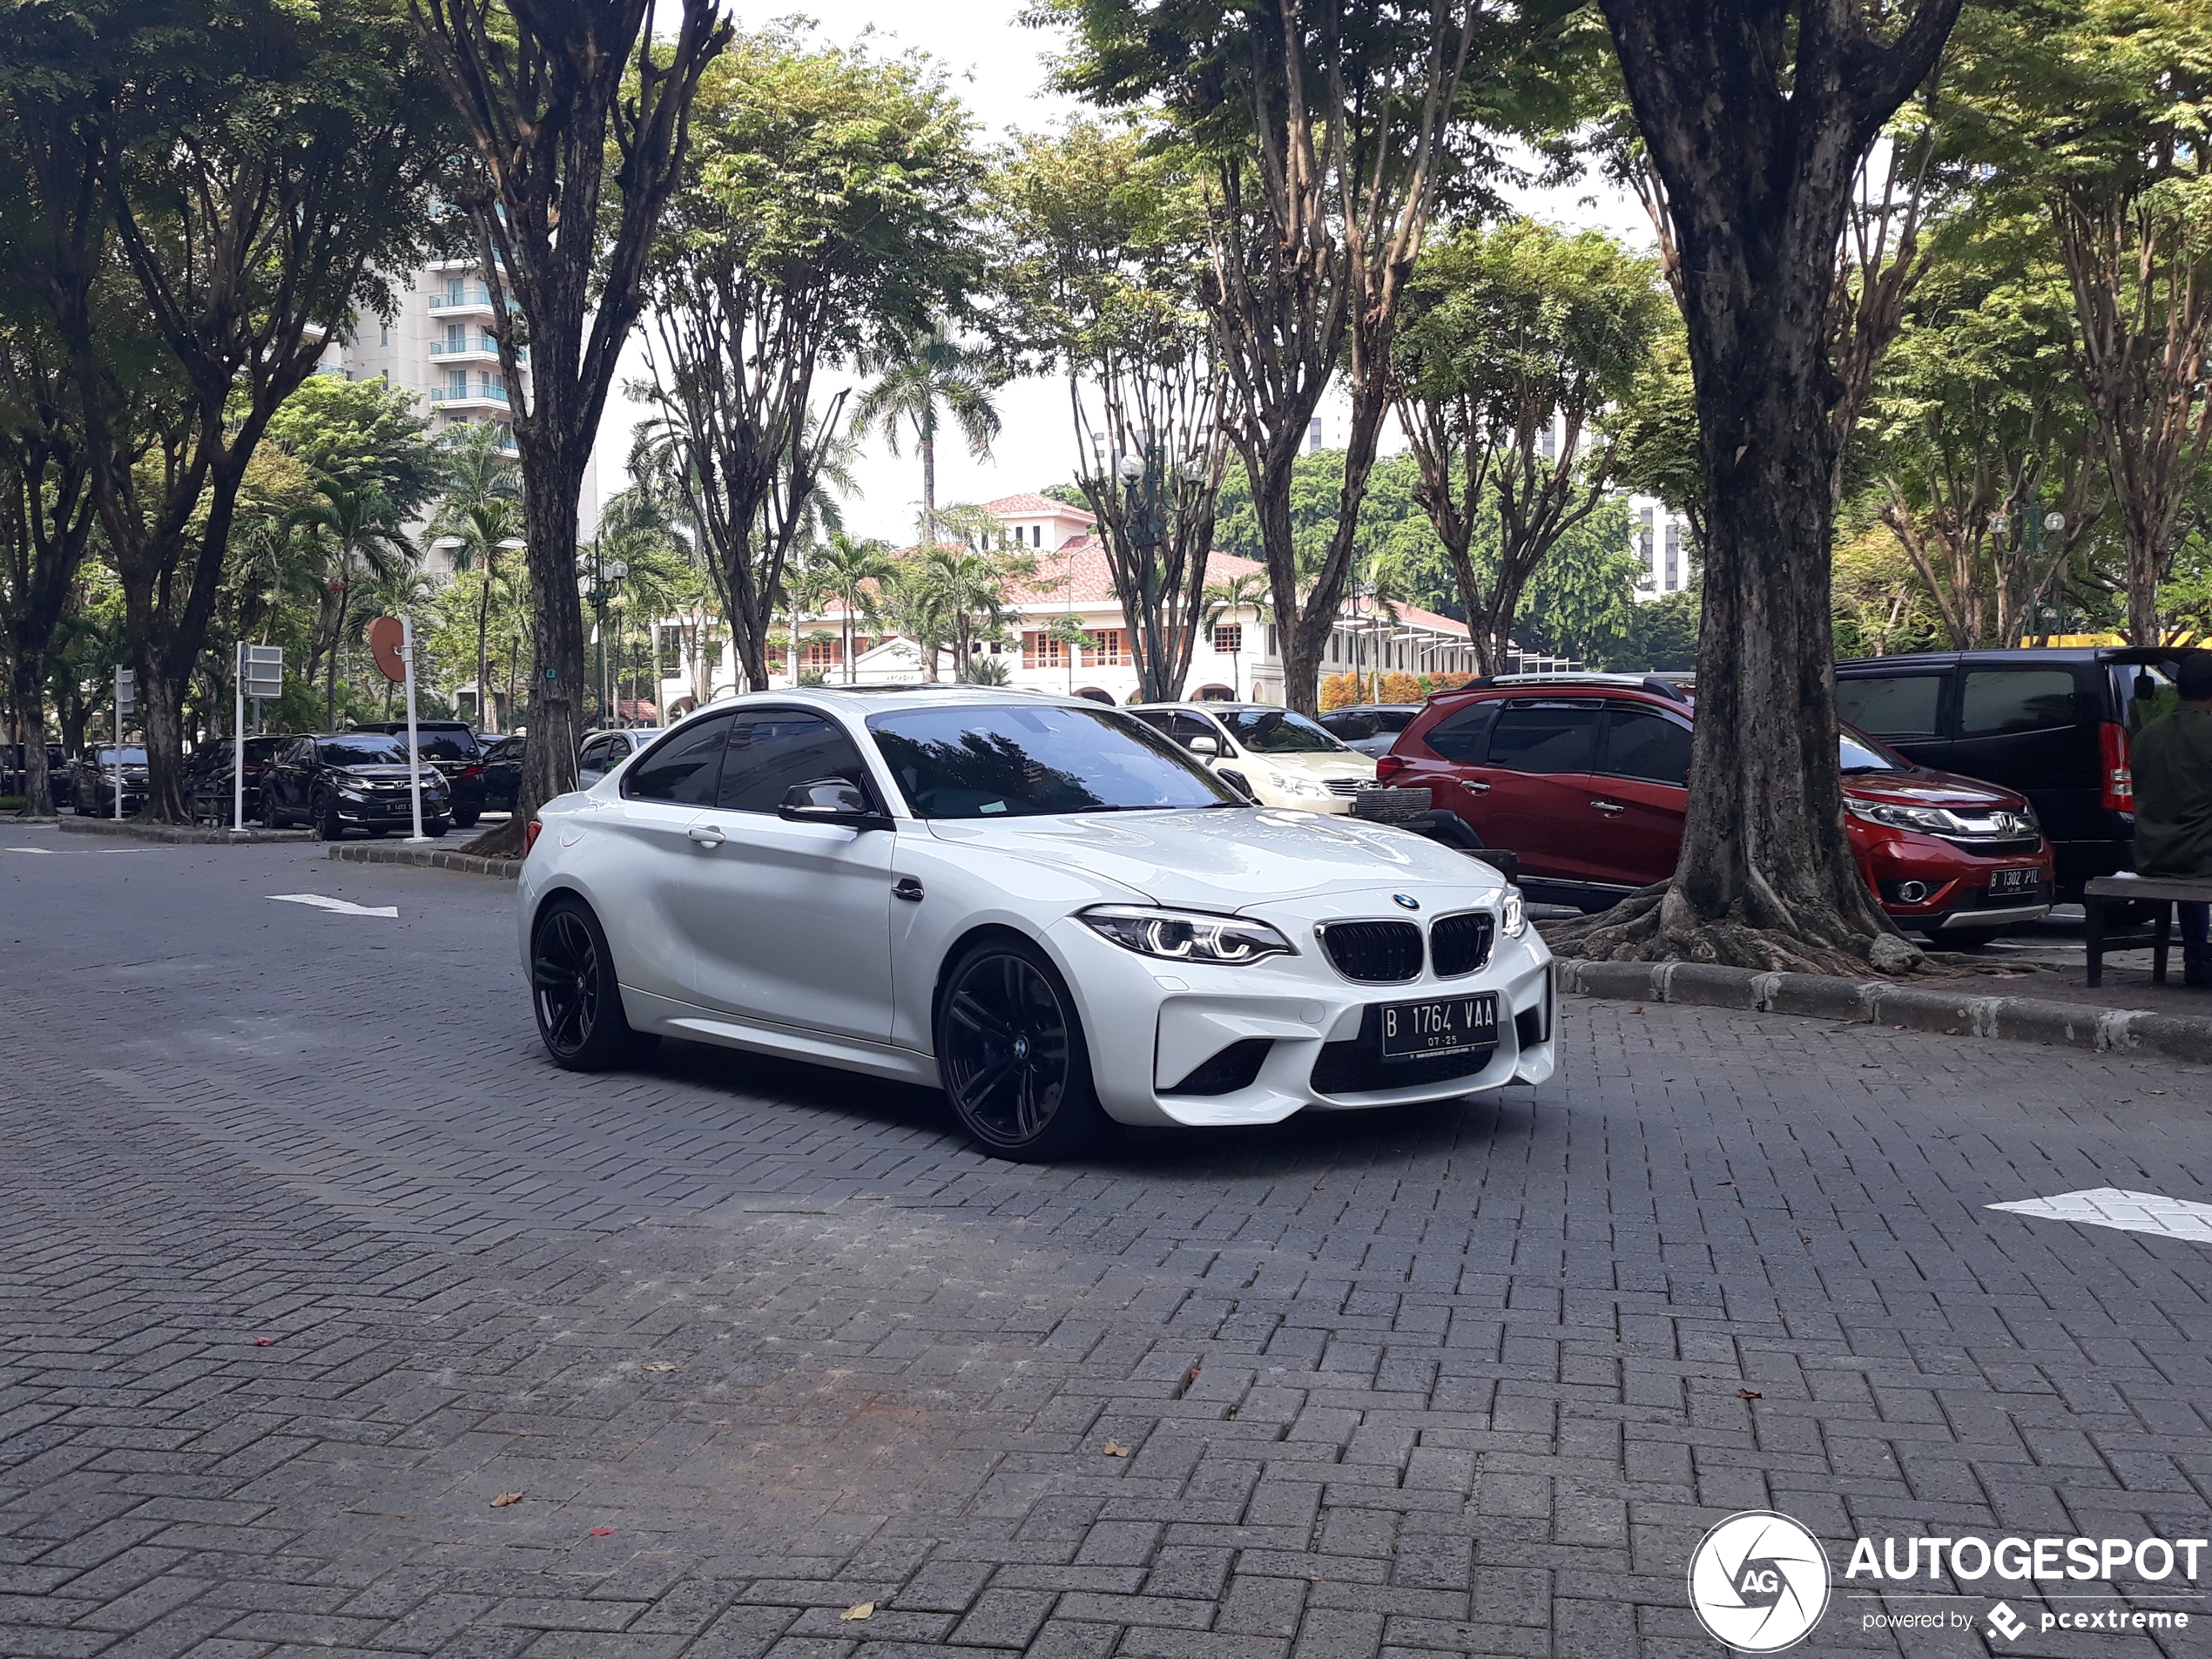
pixel 1375 953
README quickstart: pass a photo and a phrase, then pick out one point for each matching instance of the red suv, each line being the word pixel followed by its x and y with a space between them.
pixel 1587 779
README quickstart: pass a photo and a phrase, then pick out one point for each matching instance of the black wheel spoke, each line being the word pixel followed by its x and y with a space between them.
pixel 1008 1047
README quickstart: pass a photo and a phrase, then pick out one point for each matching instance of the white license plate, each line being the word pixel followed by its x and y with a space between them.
pixel 2010 882
pixel 1437 1025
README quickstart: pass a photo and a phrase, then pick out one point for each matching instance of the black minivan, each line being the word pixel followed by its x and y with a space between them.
pixel 2053 723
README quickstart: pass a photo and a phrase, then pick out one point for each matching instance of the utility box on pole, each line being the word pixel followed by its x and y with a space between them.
pixel 127 704
pixel 260 673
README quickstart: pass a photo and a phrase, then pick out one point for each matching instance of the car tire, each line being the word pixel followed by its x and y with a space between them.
pixel 463 820
pixel 328 824
pixel 1011 1055
pixel 436 828
pixel 574 992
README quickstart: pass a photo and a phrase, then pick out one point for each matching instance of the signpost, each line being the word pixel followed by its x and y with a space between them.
pixel 391 640
pixel 126 701
pixel 260 673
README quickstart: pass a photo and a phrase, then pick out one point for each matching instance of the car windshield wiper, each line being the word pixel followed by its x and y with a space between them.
pixel 1154 806
pixel 1858 771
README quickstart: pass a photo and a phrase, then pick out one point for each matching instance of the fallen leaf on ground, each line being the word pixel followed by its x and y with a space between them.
pixel 1114 1449
pixel 603 1532
pixel 1951 1031
pixel 1726 1183
pixel 2154 1091
pixel 506 1498
pixel 857 1610
pixel 660 1365
pixel 1750 1393
pixel 265 1342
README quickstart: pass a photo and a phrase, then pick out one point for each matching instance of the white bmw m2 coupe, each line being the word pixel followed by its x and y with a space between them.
pixel 1042 907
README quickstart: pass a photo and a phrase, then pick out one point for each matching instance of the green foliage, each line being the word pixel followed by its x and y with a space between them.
pixel 364 433
pixel 1653 429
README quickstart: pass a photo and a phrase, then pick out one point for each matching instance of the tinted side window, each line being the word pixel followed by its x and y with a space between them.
pixel 774 749
pixel 1187 726
pixel 2015 699
pixel 686 770
pixel 1463 737
pixel 1639 744
pixel 1553 737
pixel 594 758
pixel 1895 705
pixel 1353 727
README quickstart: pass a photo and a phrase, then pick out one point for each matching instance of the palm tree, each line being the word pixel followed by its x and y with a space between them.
pixel 926 373
pixel 479 517
pixel 352 527
pixel 968 588
pixel 853 572
pixel 1246 590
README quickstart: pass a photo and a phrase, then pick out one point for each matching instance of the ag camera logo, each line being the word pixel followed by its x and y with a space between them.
pixel 1758 1582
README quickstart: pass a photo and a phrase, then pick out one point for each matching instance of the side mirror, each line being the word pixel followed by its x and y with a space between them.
pixel 831 800
pixel 1204 746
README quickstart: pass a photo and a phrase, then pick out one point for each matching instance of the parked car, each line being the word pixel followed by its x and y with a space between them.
pixel 503 773
pixel 1587 783
pixel 15 780
pixel 2052 724
pixel 602 751
pixel 207 778
pixel 92 781
pixel 1034 903
pixel 346 780
pixel 1371 728
pixel 453 748
pixel 1278 757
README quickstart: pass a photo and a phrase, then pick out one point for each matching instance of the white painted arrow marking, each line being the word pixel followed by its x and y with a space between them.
pixel 2134 1212
pixel 339 907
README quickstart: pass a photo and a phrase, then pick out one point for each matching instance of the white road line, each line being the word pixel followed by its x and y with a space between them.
pixel 2134 1212
pixel 338 907
pixel 44 851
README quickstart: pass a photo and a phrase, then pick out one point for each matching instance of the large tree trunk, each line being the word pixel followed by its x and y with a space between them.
pixel 1758 135
pixel 29 684
pixel 556 625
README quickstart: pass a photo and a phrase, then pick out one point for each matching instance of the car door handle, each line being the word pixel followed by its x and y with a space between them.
pixel 1473 787
pixel 907 887
pixel 1608 806
pixel 707 834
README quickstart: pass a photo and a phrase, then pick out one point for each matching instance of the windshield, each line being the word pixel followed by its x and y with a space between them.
pixel 1026 762
pixel 131 757
pixel 438 745
pixel 363 749
pixel 1278 731
pixel 1861 753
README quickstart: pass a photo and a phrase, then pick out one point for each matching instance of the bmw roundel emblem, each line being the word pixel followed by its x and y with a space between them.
pixel 1406 900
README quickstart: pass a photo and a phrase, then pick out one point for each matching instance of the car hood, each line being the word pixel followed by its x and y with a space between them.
pixel 1312 766
pixel 384 773
pixel 1924 786
pixel 1222 860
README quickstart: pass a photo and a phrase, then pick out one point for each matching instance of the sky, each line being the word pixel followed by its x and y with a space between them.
pixel 1002 72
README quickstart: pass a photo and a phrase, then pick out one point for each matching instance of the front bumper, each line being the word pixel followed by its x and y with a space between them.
pixel 384 813
pixel 1155 1026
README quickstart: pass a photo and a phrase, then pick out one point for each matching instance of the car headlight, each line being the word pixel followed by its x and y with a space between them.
pixel 1930 821
pixel 1513 915
pixel 1185 936
pixel 1290 785
pixel 346 792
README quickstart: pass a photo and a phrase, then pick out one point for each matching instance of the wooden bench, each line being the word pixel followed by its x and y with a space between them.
pixel 2165 892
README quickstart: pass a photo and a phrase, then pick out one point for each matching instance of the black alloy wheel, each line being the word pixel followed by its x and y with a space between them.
pixel 574 992
pixel 328 824
pixel 1011 1055
pixel 464 819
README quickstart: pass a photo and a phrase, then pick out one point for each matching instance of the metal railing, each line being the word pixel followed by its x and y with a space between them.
pixel 468 295
pixel 481 343
pixel 485 390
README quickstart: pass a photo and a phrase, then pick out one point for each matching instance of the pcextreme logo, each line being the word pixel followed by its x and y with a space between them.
pixel 1758 1582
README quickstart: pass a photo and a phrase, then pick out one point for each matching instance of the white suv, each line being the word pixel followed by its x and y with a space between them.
pixel 1279 757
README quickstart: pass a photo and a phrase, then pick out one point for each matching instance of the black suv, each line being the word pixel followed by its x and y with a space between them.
pixel 92 780
pixel 207 778
pixel 453 748
pixel 1369 727
pixel 350 780
pixel 2053 724
pixel 503 773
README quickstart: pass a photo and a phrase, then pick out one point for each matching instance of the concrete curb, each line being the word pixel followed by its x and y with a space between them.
pixel 1913 1008
pixel 24 821
pixel 465 863
pixel 179 834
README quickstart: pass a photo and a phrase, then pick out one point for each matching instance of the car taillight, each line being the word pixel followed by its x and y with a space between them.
pixel 476 771
pixel 1388 766
pixel 2119 791
pixel 531 831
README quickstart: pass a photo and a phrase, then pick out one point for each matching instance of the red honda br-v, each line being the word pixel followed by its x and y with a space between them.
pixel 1587 779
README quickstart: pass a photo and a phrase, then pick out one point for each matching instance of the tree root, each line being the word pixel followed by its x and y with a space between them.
pixel 501 840
pixel 1657 925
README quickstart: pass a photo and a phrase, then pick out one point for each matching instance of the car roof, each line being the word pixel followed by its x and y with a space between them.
pixel 864 700
pixel 1377 708
pixel 1211 705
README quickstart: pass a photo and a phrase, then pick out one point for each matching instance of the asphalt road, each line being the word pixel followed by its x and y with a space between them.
pixel 307 1256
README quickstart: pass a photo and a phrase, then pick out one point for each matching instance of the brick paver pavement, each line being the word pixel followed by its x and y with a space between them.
pixel 307 1255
